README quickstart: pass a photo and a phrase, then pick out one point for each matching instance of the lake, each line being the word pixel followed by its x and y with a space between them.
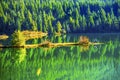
pixel 100 62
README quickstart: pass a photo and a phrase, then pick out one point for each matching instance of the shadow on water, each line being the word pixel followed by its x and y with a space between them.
pixel 99 62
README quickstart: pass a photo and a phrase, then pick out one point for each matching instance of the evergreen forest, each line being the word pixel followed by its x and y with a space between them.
pixel 71 16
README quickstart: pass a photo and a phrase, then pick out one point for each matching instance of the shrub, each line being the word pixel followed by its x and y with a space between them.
pixel 18 39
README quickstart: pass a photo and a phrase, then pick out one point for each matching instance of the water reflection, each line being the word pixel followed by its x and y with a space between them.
pixel 99 62
pixel 18 55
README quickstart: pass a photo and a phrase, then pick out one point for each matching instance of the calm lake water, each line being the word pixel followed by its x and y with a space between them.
pixel 101 62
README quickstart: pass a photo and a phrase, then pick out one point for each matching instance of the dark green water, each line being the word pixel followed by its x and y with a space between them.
pixel 101 62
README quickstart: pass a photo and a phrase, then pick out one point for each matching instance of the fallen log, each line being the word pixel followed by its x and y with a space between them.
pixel 3 37
pixel 49 44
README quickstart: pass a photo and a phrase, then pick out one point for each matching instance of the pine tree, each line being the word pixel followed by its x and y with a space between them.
pixel 50 30
pixel 103 16
pixel 18 24
pixel 45 21
pixel 109 20
pixel 34 25
pixel 112 14
pixel 80 20
pixel 84 24
pixel 59 27
pixel 77 18
pixel 29 16
pixel 40 21
pixel 1 11
pixel 91 21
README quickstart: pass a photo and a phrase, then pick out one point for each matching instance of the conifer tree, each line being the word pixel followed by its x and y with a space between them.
pixel 109 20
pixel 103 16
pixel 84 24
pixel 59 27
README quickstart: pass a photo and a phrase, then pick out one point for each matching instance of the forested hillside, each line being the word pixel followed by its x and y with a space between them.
pixel 56 15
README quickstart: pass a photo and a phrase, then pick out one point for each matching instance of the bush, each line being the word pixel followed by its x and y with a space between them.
pixel 18 39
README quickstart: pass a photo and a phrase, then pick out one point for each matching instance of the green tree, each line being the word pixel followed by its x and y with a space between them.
pixel 77 18
pixel 80 20
pixel 1 11
pixel 18 39
pixel 32 22
pixel 109 20
pixel 72 24
pixel 59 27
pixel 5 19
pixel 22 5
pixel 29 16
pixel 116 22
pixel 18 24
pixel 88 11
pixel 50 21
pixel 103 16
pixel 34 25
pixel 112 14
pixel 50 30
pixel 45 21
pixel 40 21
pixel 72 21
pixel 84 24
pixel 19 21
pixel 60 11
pixel 91 21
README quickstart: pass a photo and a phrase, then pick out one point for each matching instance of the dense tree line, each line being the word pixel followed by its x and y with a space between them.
pixel 57 15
